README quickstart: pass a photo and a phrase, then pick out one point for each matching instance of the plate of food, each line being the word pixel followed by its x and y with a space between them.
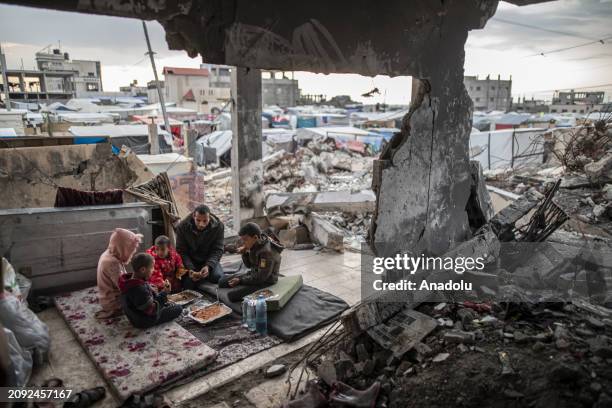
pixel 268 295
pixel 209 313
pixel 184 297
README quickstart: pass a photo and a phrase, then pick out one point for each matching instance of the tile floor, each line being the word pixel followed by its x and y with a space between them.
pixel 335 273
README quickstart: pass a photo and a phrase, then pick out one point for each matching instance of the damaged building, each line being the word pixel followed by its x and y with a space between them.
pixel 534 328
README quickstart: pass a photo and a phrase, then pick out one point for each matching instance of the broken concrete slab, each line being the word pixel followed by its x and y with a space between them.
pixel 218 175
pixel 272 392
pixel 273 159
pixel 599 168
pixel 459 336
pixel 413 327
pixel 345 201
pixel 440 357
pixel 327 371
pixel 324 233
pixel 369 313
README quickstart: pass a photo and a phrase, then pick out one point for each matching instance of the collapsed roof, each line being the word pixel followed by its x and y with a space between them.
pixel 304 36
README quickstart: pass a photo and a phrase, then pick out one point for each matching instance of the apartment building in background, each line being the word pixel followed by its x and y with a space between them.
pixel 279 88
pixel 135 90
pixel 489 94
pixel 55 78
pixel 201 89
pixel 208 89
pixel 87 75
pixel 581 102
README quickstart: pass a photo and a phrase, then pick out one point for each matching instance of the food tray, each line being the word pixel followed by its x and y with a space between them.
pixel 224 311
pixel 268 295
pixel 187 296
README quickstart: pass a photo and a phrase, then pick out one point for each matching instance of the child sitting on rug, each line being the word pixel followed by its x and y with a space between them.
pixel 123 244
pixel 167 263
pixel 143 307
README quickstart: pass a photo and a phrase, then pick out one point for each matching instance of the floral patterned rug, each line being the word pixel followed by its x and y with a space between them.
pixel 133 361
pixel 227 336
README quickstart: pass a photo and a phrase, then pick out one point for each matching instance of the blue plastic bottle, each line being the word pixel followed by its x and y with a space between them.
pixel 251 315
pixel 261 316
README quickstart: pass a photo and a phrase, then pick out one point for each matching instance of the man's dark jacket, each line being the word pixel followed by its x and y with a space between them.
pixel 264 261
pixel 200 248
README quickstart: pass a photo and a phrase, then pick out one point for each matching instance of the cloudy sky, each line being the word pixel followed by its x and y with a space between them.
pixel 508 45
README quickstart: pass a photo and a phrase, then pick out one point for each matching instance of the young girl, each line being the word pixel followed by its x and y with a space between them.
pixel 167 263
pixel 121 248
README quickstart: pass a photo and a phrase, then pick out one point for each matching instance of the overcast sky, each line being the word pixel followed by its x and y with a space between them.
pixel 502 47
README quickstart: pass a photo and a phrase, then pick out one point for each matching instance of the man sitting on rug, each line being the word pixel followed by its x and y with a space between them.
pixel 262 255
pixel 142 306
pixel 167 264
pixel 122 246
pixel 199 240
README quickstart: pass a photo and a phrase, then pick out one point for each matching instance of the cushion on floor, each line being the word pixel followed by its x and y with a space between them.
pixel 283 291
pixel 309 309
pixel 285 288
pixel 132 360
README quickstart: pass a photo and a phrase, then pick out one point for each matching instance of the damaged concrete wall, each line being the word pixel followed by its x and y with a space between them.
pixel 30 176
pixel 423 179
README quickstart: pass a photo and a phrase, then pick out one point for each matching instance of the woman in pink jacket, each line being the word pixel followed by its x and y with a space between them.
pixel 122 246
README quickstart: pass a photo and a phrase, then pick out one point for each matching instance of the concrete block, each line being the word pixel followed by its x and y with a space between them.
pixel 324 233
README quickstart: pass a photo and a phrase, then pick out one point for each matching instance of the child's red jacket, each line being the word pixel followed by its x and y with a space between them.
pixel 165 268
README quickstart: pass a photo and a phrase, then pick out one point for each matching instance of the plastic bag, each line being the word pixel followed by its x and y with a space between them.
pixel 14 282
pixel 25 285
pixel 31 333
pixel 10 278
pixel 20 362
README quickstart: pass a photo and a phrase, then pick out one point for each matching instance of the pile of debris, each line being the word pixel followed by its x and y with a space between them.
pixel 507 342
pixel 327 188
pixel 582 157
pixel 317 167
pixel 477 354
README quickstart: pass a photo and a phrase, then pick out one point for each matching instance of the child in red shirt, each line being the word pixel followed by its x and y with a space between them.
pixel 167 264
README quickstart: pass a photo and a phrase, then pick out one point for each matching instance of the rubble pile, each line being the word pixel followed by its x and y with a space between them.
pixel 582 158
pixel 532 335
pixel 218 196
pixel 551 354
pixel 356 227
pixel 583 149
pixel 317 167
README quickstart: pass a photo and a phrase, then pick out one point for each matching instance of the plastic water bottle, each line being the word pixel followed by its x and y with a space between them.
pixel 251 314
pixel 261 316
pixel 245 312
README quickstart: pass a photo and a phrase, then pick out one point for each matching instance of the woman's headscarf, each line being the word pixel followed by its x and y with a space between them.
pixel 123 244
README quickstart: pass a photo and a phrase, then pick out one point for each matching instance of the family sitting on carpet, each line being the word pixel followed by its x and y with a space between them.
pixel 141 295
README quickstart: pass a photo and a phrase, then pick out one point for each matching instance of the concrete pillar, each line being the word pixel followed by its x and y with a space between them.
pixel 190 145
pixel 153 138
pixel 422 181
pixel 247 169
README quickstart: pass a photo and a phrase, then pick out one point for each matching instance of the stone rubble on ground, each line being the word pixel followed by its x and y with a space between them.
pixel 316 167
